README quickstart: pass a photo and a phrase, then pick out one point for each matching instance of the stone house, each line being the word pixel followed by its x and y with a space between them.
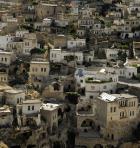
pixel 6 57
pixel 96 81
pixel 20 33
pixel 44 10
pixel 4 40
pixel 112 54
pixel 97 122
pixel 50 113
pixel 126 71
pixel 76 43
pixel 16 46
pixel 54 90
pixel 85 22
pixel 30 41
pixel 28 112
pixel 38 73
pixel 81 32
pixel 14 97
pixel 120 108
pixel 27 42
pixel 6 116
pixel 60 41
pixel 59 55
pixel 3 77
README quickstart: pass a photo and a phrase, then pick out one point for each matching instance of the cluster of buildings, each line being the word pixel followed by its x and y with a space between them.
pixel 69 73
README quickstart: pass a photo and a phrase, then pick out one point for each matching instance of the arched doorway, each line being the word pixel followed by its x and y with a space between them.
pixel 126 36
pixel 89 60
pixel 60 115
pixel 54 128
pixel 31 123
pixel 56 87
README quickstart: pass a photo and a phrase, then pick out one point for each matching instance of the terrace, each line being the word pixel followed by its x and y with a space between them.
pixel 85 111
pixel 92 80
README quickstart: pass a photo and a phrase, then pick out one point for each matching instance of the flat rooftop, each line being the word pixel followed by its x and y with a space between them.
pixel 32 101
pixel 113 97
pixel 39 62
pixel 5 52
pixel 56 49
pixel 52 5
pixel 5 109
pixel 127 96
pixel 50 106
pixel 4 87
pixel 14 91
pixel 107 97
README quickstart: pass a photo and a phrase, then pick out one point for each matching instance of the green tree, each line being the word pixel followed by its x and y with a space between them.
pixel 72 97
pixel 122 55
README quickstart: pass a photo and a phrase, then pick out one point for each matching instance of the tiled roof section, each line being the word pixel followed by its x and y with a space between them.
pixel 107 97
pixel 110 98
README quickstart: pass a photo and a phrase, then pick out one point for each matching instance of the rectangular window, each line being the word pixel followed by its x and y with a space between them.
pixel 133 113
pixel 81 81
pixel 91 97
pixel 120 114
pixel 32 107
pixel 114 109
pixel 28 107
pixel 17 100
pixel 41 69
pixel 111 109
pixel 92 87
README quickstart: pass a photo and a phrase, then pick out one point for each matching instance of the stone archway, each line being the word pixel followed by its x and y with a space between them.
pixel 81 120
pixel 88 123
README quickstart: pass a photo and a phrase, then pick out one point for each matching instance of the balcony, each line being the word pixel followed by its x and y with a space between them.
pixel 91 80
pixel 123 117
pixel 85 111
pixel 123 104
